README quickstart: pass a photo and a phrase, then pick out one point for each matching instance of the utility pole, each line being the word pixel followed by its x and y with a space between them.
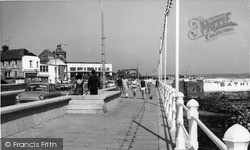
pixel 103 46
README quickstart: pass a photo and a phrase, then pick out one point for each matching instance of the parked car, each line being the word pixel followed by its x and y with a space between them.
pixel 37 91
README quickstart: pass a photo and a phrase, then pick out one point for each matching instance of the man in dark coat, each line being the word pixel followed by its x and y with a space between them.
pixel 93 83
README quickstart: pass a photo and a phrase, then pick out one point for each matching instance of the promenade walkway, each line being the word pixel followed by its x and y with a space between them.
pixel 135 124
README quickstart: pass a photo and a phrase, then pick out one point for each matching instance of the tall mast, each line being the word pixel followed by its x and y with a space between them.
pixel 103 46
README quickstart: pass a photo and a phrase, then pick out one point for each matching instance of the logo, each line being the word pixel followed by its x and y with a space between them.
pixel 211 28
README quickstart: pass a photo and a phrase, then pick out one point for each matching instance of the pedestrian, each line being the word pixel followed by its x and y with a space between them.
pixel 78 86
pixel 93 83
pixel 119 83
pixel 85 88
pixel 149 83
pixel 125 86
pixel 143 87
pixel 134 86
pixel 157 83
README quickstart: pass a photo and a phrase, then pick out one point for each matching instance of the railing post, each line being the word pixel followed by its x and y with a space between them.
pixel 180 139
pixel 167 101
pixel 193 130
pixel 237 138
pixel 170 107
pixel 173 117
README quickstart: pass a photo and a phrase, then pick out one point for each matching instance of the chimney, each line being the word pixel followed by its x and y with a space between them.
pixel 5 48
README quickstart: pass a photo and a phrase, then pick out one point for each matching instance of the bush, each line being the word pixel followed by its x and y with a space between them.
pixel 236 112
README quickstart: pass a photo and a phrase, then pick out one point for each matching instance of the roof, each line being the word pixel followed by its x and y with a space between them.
pixel 15 54
pixel 46 56
pixel 46 53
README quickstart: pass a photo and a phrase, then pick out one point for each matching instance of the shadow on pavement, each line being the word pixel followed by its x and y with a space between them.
pixel 166 127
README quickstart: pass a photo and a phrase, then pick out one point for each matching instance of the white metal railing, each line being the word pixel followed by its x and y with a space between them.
pixel 236 137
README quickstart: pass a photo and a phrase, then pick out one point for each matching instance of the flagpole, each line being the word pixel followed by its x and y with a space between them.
pixel 103 46
pixel 177 38
pixel 160 60
pixel 165 54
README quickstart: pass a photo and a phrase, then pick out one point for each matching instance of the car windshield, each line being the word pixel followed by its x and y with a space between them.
pixel 38 87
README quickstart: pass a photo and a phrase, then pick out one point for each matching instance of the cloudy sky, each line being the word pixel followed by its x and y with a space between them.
pixel 132 31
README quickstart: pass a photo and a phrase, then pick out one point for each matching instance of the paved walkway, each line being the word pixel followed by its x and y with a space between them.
pixel 135 124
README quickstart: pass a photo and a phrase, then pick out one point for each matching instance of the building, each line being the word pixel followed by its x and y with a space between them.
pixel 85 68
pixel 129 73
pixel 53 67
pixel 19 64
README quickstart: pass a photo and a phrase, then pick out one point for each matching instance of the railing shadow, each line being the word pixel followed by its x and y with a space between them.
pixel 162 138
pixel 166 127
pixel 167 135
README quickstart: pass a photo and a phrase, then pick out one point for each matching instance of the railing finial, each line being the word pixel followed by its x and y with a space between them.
pixel 237 138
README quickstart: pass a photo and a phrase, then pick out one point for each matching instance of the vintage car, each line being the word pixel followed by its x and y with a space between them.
pixel 37 91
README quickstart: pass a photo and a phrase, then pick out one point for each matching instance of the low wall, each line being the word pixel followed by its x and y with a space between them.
pixel 20 117
pixel 13 87
pixel 94 104
pixel 17 118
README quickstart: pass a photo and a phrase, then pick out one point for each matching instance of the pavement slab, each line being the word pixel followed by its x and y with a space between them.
pixel 135 124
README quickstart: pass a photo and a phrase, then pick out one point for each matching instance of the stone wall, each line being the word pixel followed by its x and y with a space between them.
pixel 13 87
pixel 21 117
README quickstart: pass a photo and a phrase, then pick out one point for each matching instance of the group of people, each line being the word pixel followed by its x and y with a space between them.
pixel 81 88
pixel 144 85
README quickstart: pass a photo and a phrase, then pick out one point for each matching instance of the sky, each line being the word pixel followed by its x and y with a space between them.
pixel 132 29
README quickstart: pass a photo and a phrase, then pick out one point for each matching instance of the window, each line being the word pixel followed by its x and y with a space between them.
pixel 37 64
pixel 18 63
pixel 31 64
pixel 79 69
pixel 72 68
pixel 6 64
pixel 15 73
pixel 107 69
pixel 12 64
pixel 44 69
pixel 90 68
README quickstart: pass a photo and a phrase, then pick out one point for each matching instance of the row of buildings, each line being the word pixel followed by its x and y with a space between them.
pixel 21 65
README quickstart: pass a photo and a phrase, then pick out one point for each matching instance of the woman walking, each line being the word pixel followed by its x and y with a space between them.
pixel 125 87
pixel 133 87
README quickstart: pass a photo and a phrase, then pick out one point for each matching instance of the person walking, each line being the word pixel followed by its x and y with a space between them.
pixel 149 83
pixel 125 86
pixel 157 83
pixel 93 83
pixel 78 86
pixel 134 86
pixel 119 84
pixel 143 87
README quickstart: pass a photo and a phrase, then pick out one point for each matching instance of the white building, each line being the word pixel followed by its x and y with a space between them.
pixel 226 85
pixel 30 65
pixel 52 68
pixel 19 64
pixel 85 68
